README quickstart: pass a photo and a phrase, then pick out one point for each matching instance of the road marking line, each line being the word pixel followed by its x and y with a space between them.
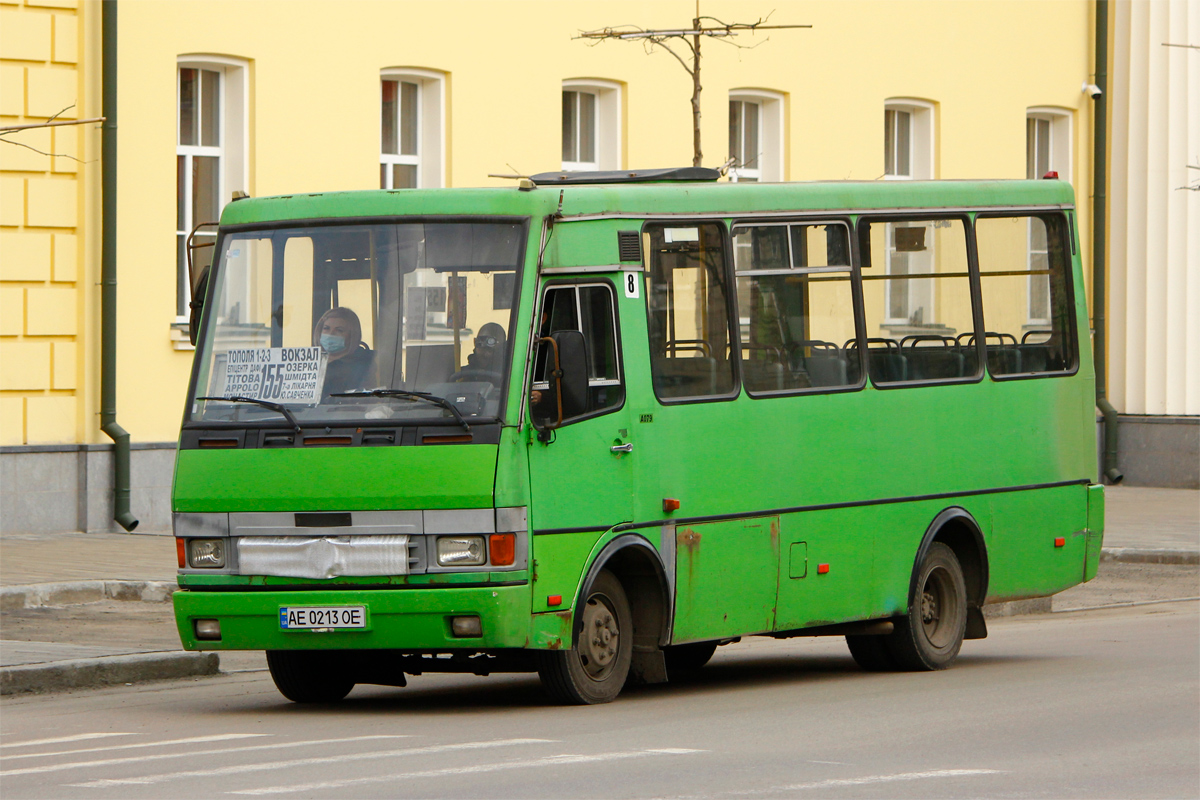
pixel 184 754
pixel 195 740
pixel 303 762
pixel 833 783
pixel 79 737
pixel 547 761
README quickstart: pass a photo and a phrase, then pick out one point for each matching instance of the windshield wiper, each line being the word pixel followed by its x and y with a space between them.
pixel 263 403
pixel 426 396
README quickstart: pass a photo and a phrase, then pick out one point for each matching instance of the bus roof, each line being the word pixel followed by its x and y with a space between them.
pixel 650 199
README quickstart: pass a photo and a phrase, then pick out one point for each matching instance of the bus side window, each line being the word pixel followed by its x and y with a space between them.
pixel 1027 303
pixel 589 309
pixel 795 306
pixel 917 298
pixel 687 303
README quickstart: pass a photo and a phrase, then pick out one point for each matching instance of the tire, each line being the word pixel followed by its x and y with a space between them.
pixel 309 676
pixel 684 658
pixel 594 671
pixel 929 636
pixel 871 653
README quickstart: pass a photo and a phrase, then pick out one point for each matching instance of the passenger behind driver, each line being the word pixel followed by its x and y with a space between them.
pixel 349 360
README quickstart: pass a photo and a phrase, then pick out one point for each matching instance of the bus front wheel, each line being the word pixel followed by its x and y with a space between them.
pixel 929 636
pixel 596 669
pixel 309 676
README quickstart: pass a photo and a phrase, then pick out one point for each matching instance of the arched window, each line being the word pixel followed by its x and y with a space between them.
pixel 756 142
pixel 412 138
pixel 211 153
pixel 591 124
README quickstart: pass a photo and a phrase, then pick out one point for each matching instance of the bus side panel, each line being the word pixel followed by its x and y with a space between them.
pixel 559 562
pixel 725 578
pixel 1024 557
pixel 828 565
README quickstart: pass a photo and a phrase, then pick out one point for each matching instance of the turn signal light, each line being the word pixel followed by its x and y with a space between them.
pixel 503 549
pixel 1060 541
pixel 554 600
pixel 181 552
pixel 822 569
pixel 670 504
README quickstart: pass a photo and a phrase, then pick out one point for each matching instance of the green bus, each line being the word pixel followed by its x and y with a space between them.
pixel 598 424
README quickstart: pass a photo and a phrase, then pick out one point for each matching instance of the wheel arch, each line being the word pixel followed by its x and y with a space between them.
pixel 958 530
pixel 639 568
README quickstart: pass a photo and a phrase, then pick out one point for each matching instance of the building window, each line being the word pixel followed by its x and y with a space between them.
pixel 410 137
pixel 1047 149
pixel 908 140
pixel 400 159
pixel 756 136
pixel 591 125
pixel 210 156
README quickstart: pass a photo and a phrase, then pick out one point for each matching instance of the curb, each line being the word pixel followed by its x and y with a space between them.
pixel 1138 555
pixel 87 673
pixel 37 595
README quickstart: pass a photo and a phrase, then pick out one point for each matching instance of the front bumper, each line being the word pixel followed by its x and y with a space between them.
pixel 400 619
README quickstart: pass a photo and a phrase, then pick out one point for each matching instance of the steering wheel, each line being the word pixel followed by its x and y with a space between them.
pixel 472 374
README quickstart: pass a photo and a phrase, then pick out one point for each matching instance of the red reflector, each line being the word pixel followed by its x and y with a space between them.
pixel 503 549
pixel 1060 541
pixel 181 552
pixel 554 600
pixel 1050 176
pixel 822 569
pixel 670 504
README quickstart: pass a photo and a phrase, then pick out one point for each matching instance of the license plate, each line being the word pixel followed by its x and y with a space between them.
pixel 309 617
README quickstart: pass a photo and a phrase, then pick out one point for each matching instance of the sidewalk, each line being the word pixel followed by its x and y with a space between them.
pixel 89 609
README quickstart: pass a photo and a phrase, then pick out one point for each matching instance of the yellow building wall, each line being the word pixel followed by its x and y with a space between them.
pixel 313 71
pixel 44 219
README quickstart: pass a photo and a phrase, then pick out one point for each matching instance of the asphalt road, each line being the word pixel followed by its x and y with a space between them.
pixel 1089 704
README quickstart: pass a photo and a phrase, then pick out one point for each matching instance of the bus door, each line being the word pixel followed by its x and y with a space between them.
pixel 581 478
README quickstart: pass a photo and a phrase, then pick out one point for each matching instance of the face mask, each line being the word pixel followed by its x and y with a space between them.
pixel 332 344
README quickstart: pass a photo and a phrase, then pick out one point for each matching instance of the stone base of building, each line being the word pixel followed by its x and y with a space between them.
pixel 69 488
pixel 1158 451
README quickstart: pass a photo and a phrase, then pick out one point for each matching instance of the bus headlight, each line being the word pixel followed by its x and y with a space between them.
pixel 206 553
pixel 461 551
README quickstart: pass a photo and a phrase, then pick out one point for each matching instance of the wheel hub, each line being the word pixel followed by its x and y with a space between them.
pixel 929 607
pixel 600 638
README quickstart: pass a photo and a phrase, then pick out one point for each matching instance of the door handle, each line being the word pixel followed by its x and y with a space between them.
pixel 622 448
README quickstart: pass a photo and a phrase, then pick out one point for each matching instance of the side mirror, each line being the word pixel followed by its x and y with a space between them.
pixel 197 305
pixel 566 396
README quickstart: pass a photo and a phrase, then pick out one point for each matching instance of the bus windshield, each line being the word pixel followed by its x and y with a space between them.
pixel 353 323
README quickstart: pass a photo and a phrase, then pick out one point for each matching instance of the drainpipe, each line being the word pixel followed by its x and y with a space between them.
pixel 108 274
pixel 1099 188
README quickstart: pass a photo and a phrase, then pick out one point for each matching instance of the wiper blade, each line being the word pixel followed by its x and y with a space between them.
pixel 426 396
pixel 263 403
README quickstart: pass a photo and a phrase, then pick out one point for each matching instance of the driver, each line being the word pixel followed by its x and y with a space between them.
pixel 489 349
pixel 339 334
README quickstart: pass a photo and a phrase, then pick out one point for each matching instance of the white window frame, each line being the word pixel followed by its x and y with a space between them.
pixel 1058 160
pixel 430 159
pixel 771 137
pixel 609 122
pixel 233 150
pixel 920 139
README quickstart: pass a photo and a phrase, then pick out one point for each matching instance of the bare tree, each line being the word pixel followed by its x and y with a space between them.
pixel 702 26
pixel 53 122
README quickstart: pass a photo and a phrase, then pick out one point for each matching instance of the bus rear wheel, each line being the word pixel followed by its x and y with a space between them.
pixel 596 669
pixel 929 636
pixel 309 676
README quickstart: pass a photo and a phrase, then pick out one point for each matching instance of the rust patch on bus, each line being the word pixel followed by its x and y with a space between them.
pixel 688 541
pixel 775 534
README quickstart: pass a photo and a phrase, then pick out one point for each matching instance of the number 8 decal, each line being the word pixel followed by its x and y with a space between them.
pixel 631 284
